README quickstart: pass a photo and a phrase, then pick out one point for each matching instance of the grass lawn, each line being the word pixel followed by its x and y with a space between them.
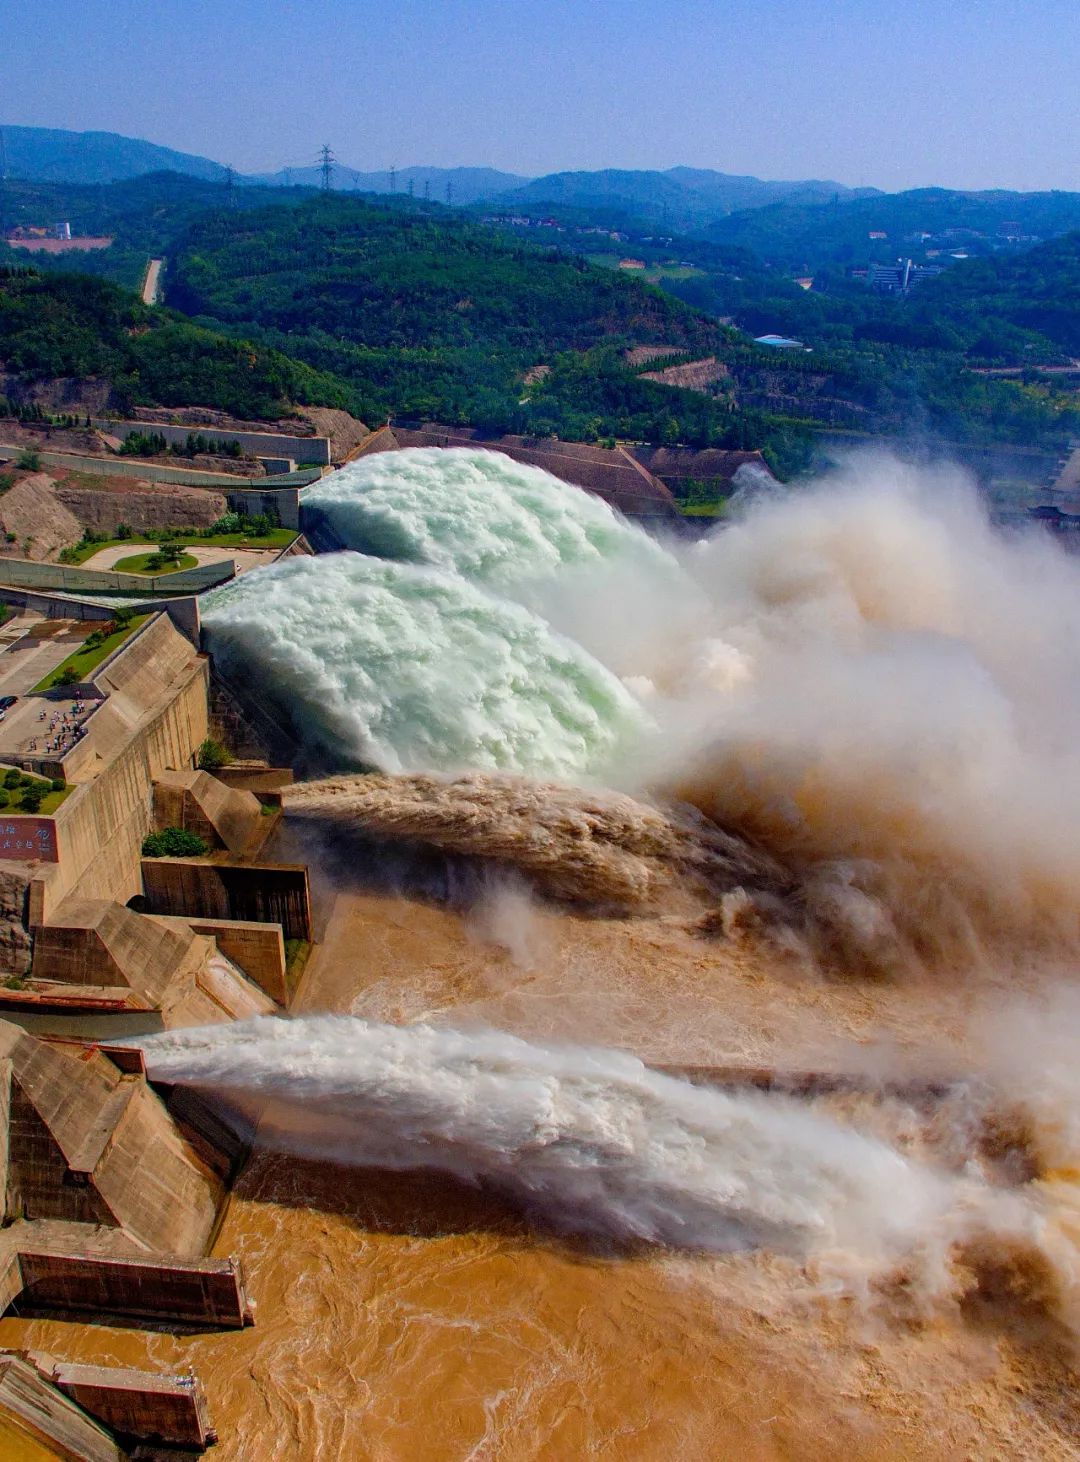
pixel 702 510
pixel 140 563
pixel 84 660
pixel 276 538
pixel 14 795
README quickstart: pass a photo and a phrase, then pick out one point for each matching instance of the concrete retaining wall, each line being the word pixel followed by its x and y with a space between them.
pixel 24 573
pixel 258 949
pixel 184 611
pixel 143 1404
pixel 188 1292
pixel 257 444
pixel 267 894
pixel 282 503
pixel 152 472
pixel 156 715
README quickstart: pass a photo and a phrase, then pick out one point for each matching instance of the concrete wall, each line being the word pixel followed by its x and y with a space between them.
pixel 183 611
pixel 258 950
pixel 256 778
pixel 156 718
pixel 268 894
pixel 257 444
pixel 190 1292
pixel 151 472
pixel 282 503
pixel 139 1403
pixel 24 573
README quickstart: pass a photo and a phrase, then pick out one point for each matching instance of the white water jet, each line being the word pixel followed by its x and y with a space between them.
pixel 588 1140
pixel 479 514
pixel 404 667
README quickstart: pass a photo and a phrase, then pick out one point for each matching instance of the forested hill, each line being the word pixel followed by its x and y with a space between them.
pixel 422 314
pixel 800 236
pixel 1038 290
pixel 72 325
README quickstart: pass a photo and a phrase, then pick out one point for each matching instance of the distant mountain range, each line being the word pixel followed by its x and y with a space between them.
pixel 465 185
pixel 680 196
pixel 45 155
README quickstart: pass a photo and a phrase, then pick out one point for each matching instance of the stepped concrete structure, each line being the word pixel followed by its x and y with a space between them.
pixel 107 1201
pixel 99 958
pixel 95 1412
pixel 224 817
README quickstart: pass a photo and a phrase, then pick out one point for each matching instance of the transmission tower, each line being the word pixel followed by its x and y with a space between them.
pixel 449 193
pixel 393 178
pixel 3 184
pixel 412 188
pixel 427 190
pixel 230 179
pixel 327 160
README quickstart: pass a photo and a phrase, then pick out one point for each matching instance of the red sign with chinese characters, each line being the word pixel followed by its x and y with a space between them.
pixel 28 839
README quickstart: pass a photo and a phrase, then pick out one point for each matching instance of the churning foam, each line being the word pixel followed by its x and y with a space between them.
pixel 861 674
pixel 588 1140
pixel 404 667
pixel 478 514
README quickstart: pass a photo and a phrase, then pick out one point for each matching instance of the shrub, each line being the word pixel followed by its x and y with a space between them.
pixel 57 785
pixel 29 460
pixel 124 531
pixel 212 754
pixel 12 778
pixel 173 842
pixel 68 676
pixel 33 797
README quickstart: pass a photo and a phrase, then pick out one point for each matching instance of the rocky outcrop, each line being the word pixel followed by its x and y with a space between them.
pixel 146 507
pixel 344 431
pixel 41 525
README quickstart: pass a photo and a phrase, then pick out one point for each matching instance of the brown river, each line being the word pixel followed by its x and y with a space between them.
pixel 405 1317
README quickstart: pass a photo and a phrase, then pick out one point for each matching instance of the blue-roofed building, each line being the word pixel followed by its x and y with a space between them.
pixel 780 342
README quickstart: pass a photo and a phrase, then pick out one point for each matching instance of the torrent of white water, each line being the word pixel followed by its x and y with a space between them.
pixel 478 514
pixel 586 1139
pixel 403 667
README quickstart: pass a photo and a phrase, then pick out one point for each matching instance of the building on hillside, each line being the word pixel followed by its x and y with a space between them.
pixel 901 277
pixel 780 342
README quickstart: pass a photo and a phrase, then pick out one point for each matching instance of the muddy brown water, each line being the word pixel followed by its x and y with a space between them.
pixel 405 1317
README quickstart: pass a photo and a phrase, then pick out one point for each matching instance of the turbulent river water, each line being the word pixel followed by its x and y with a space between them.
pixel 801 800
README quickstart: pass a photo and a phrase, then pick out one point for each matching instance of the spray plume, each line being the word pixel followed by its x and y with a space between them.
pixel 588 1140
pixel 861 677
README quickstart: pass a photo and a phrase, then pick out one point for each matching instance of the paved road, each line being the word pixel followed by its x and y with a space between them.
pixel 153 281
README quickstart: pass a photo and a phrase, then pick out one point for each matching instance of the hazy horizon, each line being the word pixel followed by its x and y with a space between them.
pixel 977 95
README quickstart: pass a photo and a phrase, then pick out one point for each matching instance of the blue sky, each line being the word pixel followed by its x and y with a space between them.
pixel 963 93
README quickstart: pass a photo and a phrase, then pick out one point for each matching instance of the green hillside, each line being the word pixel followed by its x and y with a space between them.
pixel 804 237
pixel 73 325
pixel 431 315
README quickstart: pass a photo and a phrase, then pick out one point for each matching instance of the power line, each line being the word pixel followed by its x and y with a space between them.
pixel 327 162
